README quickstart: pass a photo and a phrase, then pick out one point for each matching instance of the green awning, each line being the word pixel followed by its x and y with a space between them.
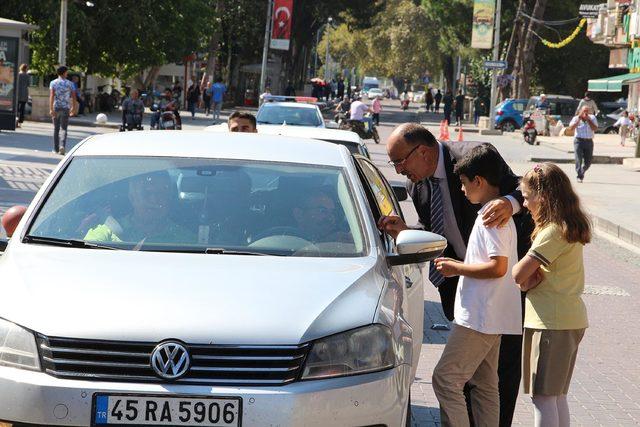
pixel 612 84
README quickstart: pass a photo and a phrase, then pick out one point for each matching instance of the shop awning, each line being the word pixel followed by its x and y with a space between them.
pixel 612 84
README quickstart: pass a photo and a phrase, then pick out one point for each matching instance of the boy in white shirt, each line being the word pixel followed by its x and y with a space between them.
pixel 625 124
pixel 487 302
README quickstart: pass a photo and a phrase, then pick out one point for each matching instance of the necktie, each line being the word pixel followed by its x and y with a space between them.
pixel 437 225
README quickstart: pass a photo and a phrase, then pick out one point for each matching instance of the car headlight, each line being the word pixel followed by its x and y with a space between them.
pixel 353 352
pixel 18 347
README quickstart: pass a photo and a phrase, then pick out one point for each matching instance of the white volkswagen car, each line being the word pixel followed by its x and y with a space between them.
pixel 159 279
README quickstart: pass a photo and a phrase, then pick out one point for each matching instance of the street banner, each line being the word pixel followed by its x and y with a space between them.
pixel 484 12
pixel 281 24
pixel 590 10
pixel 8 72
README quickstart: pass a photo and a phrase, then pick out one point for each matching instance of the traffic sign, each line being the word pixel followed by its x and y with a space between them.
pixel 499 65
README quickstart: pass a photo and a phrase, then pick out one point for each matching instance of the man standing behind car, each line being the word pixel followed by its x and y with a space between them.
pixel 62 101
pixel 240 121
pixel 585 125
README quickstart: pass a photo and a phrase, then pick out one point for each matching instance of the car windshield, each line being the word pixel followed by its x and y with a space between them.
pixel 274 114
pixel 202 206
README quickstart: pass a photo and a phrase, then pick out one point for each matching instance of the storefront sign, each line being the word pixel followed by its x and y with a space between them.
pixel 483 18
pixel 281 24
pixel 618 58
pixel 8 72
pixel 590 10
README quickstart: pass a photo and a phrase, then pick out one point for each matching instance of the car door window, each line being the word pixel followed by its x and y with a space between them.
pixel 385 199
pixel 567 109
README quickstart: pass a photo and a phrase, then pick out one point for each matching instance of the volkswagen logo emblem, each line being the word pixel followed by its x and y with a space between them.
pixel 170 360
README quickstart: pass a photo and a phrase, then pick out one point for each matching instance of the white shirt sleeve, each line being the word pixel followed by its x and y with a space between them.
pixel 497 241
pixel 574 121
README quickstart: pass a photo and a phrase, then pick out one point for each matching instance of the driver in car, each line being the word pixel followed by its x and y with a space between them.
pixel 315 218
pixel 150 196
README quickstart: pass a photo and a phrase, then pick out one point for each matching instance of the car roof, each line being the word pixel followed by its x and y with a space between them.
pixel 299 132
pixel 218 145
pixel 289 104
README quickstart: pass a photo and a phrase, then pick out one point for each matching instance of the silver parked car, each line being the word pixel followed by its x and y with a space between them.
pixel 161 279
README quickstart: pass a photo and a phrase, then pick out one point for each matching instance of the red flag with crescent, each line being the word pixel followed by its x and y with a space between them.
pixel 281 25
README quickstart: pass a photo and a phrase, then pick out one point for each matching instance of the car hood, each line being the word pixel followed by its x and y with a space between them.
pixel 197 298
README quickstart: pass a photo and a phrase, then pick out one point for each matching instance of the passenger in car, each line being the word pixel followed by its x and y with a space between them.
pixel 242 121
pixel 150 195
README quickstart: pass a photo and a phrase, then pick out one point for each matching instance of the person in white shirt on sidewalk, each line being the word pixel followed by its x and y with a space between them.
pixel 625 124
pixel 487 302
pixel 584 124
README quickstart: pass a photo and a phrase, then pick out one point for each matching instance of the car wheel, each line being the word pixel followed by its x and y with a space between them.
pixel 611 130
pixel 508 126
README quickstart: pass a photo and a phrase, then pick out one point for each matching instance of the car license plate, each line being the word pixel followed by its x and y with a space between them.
pixel 156 410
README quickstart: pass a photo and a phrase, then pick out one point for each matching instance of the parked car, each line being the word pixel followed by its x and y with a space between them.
pixel 159 278
pixel 561 107
pixel 509 114
pixel 375 92
pixel 291 113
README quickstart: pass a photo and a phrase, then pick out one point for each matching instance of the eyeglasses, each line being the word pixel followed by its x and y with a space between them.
pixel 396 163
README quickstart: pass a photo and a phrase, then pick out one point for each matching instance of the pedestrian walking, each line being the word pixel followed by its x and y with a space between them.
pixel 472 351
pixel 447 105
pixel 624 124
pixel 415 153
pixel 193 97
pixel 206 99
pixel 290 90
pixel 459 105
pixel 587 101
pixel 478 109
pixel 340 87
pixel 585 125
pixel 437 99
pixel 217 97
pixel 376 106
pixel 23 92
pixel 429 99
pixel 62 102
pixel 552 274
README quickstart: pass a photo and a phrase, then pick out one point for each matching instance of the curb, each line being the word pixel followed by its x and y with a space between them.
pixel 75 121
pixel 597 160
pixel 614 230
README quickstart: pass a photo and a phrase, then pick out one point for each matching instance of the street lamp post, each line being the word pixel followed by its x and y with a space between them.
pixel 326 62
pixel 62 41
pixel 494 72
pixel 265 49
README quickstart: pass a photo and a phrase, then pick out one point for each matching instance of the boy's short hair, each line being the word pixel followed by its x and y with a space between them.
pixel 484 161
pixel 61 70
pixel 243 115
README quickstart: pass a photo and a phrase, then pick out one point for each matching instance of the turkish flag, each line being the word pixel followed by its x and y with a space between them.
pixel 281 25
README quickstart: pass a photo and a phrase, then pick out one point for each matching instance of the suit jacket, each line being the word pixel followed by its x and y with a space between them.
pixel 465 212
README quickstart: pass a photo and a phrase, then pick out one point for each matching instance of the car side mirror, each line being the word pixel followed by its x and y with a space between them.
pixel 416 246
pixel 11 218
pixel 400 191
pixel 332 125
pixel 3 245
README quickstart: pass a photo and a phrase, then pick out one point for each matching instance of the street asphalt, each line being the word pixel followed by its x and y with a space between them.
pixel 606 386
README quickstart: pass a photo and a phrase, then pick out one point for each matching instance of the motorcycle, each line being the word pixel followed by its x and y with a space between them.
pixel 404 104
pixel 362 129
pixel 169 119
pixel 530 133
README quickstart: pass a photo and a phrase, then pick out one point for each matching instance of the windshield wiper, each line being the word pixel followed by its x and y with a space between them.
pixel 222 251
pixel 66 242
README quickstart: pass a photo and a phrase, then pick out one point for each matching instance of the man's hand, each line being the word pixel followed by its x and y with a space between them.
pixel 497 213
pixel 52 114
pixel 447 266
pixel 392 225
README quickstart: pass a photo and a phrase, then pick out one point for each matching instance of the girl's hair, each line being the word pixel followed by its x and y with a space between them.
pixel 558 203
pixel 23 68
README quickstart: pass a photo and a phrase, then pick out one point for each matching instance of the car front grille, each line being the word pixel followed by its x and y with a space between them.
pixel 210 364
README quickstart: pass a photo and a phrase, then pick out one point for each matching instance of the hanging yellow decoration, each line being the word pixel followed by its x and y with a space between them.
pixel 566 41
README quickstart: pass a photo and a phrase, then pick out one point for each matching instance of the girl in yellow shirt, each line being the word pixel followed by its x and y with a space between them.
pixel 552 273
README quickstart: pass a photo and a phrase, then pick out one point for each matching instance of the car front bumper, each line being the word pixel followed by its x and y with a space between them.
pixel 371 399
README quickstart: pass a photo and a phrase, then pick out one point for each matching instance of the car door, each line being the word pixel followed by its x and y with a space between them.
pixel 409 275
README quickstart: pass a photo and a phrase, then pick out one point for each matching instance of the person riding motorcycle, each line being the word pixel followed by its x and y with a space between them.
pixel 168 103
pixel 357 120
pixel 342 109
pixel 132 112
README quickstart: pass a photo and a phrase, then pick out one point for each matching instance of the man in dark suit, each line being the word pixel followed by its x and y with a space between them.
pixel 427 163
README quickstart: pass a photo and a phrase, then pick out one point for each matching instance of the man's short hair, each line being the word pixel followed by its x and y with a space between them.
pixel 218 79
pixel 416 134
pixel 243 115
pixel 484 161
pixel 61 70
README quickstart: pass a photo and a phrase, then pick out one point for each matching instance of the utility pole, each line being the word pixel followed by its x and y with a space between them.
pixel 326 61
pixel 62 41
pixel 494 72
pixel 265 50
